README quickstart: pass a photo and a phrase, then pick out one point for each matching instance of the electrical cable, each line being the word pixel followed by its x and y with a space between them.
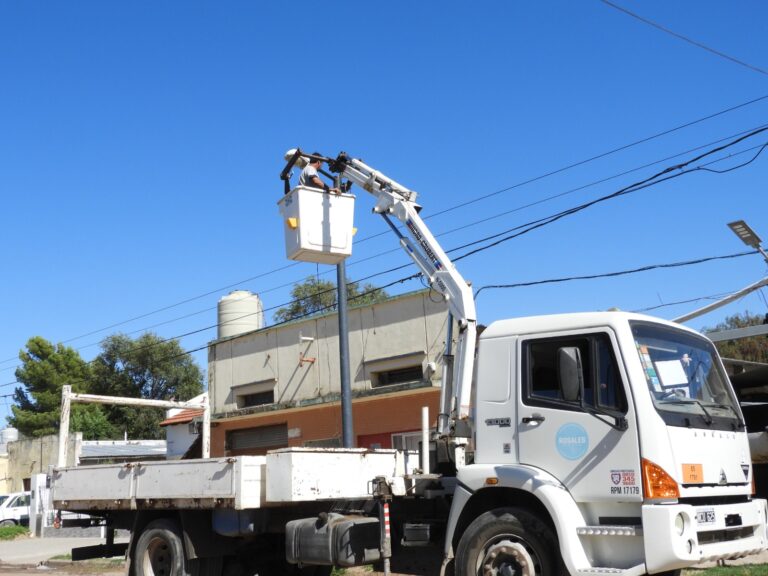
pixel 685 38
pixel 446 210
pixel 688 301
pixel 212 326
pixel 617 273
pixel 761 292
pixel 306 314
pixel 445 233
pixel 657 178
pixel 651 181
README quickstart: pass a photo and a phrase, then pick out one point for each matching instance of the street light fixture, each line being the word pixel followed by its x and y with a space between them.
pixel 748 236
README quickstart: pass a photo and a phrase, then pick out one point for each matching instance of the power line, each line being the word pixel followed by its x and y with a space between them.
pixel 452 230
pixel 667 174
pixel 648 182
pixel 688 301
pixel 418 274
pixel 212 326
pixel 617 273
pixel 601 181
pixel 685 38
pixel 446 210
pixel 762 297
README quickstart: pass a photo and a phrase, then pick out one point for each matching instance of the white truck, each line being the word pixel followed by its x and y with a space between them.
pixel 582 444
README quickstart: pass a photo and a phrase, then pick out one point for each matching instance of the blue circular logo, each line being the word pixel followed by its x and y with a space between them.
pixel 572 441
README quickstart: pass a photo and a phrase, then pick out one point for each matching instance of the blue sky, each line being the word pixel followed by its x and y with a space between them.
pixel 140 147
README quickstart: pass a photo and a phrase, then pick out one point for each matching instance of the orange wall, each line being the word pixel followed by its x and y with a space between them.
pixel 378 415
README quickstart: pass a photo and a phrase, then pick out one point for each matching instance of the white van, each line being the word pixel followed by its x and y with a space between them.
pixel 14 509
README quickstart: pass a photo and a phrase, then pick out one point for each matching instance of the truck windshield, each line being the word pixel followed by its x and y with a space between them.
pixel 685 378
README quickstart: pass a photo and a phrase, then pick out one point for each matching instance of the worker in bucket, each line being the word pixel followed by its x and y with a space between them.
pixel 309 176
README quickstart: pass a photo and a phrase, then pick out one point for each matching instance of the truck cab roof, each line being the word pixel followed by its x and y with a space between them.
pixel 573 321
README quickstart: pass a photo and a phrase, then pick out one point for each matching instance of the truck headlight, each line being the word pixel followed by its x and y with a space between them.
pixel 680 524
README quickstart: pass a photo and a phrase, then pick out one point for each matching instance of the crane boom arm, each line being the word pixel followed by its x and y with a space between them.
pixel 394 199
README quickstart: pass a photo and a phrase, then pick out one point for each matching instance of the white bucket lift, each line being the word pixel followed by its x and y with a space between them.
pixel 318 225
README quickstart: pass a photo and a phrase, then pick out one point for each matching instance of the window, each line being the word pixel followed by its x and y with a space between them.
pixel 255 393
pixel 256 399
pixel 398 376
pixel 684 378
pixel 601 386
pixel 19 501
pixel 406 441
pixel 257 440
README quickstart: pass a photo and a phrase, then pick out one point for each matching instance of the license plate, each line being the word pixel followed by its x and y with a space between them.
pixel 705 516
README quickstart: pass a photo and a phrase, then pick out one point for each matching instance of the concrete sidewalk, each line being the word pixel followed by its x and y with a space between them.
pixel 35 550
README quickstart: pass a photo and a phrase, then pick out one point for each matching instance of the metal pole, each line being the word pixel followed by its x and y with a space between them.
pixel 446 384
pixel 206 431
pixel 347 425
pixel 722 302
pixel 64 425
pixel 425 439
pixel 383 493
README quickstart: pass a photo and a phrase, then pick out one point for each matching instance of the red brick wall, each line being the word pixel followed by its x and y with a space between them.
pixel 378 416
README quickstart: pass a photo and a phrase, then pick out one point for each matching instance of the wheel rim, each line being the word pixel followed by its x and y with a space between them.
pixel 506 555
pixel 158 559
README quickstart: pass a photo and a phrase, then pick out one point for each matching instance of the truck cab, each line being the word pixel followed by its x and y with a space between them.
pixel 618 439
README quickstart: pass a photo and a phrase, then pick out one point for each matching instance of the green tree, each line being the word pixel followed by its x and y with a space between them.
pixel 315 295
pixel 147 367
pixel 754 349
pixel 45 368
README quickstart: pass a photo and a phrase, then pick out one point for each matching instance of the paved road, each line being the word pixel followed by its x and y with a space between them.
pixel 35 550
pixel 19 557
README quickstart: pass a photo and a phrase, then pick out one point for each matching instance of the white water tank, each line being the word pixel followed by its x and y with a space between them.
pixel 239 312
pixel 7 435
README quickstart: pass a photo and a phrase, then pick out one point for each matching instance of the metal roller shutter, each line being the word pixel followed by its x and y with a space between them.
pixel 255 438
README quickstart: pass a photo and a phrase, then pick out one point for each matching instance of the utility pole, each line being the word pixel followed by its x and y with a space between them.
pixel 347 425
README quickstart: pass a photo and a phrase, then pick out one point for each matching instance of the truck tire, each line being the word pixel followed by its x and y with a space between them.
pixel 7 523
pixel 159 550
pixel 508 541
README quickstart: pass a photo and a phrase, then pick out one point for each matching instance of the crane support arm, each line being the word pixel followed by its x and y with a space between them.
pixel 395 200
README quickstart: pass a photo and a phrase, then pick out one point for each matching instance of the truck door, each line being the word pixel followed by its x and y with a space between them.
pixel 575 417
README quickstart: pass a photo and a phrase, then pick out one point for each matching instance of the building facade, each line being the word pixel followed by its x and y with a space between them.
pixel 279 386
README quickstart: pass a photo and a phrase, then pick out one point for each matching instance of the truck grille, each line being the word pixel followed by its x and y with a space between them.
pixel 715 536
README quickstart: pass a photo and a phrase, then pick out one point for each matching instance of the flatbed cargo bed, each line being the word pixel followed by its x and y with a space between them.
pixel 285 476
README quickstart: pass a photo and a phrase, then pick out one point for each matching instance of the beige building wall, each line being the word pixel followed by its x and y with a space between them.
pixel 28 456
pixel 5 481
pixel 299 361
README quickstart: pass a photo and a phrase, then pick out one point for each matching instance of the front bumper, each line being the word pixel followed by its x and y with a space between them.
pixel 723 531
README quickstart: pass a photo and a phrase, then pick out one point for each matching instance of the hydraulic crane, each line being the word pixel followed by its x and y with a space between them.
pixel 395 200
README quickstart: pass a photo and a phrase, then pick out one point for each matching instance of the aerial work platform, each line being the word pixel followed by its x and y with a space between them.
pixel 318 225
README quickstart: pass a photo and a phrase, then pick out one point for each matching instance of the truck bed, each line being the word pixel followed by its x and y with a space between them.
pixel 283 476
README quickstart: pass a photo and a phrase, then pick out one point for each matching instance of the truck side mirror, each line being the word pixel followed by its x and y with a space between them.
pixel 570 373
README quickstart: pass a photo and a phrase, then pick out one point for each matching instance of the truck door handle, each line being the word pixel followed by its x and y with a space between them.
pixel 538 418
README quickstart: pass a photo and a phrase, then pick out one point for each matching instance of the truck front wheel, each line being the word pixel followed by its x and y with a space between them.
pixel 508 541
pixel 159 550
